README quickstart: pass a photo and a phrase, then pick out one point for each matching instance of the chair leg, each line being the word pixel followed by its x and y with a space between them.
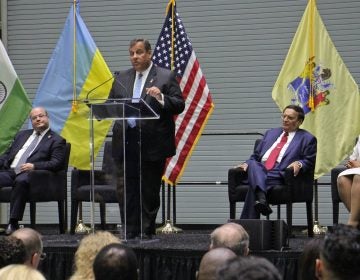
pixel 232 210
pixel 32 214
pixel 335 212
pixel 61 216
pixel 289 218
pixel 309 219
pixel 103 215
pixel 74 212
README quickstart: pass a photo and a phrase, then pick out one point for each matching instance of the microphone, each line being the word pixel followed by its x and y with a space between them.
pixel 99 85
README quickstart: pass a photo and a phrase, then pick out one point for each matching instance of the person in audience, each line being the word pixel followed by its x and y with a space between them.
pixel 248 268
pixel 232 236
pixel 116 262
pixel 12 251
pixel 307 259
pixel 20 271
pixel 33 245
pixel 212 260
pixel 340 255
pixel 348 184
pixel 37 148
pixel 85 254
pixel 281 148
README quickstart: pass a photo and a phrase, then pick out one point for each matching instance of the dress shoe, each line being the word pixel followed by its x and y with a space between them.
pixel 11 228
pixel 262 208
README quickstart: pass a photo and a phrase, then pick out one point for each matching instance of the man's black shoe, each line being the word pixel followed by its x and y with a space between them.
pixel 11 228
pixel 262 208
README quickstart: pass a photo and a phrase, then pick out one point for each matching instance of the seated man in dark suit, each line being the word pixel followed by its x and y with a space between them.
pixel 37 148
pixel 281 148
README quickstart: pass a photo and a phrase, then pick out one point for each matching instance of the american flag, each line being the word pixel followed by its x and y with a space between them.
pixel 174 43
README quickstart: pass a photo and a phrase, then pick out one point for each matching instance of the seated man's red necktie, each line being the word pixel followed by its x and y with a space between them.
pixel 270 162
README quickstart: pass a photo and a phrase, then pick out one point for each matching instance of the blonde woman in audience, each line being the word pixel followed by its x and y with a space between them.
pixel 20 271
pixel 88 248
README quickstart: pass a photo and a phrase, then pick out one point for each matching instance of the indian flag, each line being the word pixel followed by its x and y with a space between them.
pixel 14 102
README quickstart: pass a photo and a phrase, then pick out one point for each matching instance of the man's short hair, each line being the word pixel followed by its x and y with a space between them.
pixel 248 268
pixel 341 252
pixel 116 262
pixel 232 236
pixel 298 109
pixel 12 251
pixel 146 43
pixel 31 239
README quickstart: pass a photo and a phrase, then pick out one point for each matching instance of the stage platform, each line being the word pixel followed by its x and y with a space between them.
pixel 166 256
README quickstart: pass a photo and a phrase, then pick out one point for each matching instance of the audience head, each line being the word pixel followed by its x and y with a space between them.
pixel 307 259
pixel 212 261
pixel 20 271
pixel 12 251
pixel 248 268
pixel 116 262
pixel 33 245
pixel 340 254
pixel 88 248
pixel 232 236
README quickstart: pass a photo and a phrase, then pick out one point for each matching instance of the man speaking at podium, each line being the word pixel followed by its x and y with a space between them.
pixel 159 88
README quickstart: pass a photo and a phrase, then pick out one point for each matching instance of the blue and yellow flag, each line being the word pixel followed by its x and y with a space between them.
pixel 75 70
pixel 315 77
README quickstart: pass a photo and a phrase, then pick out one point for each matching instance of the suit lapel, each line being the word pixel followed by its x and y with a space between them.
pixel 150 80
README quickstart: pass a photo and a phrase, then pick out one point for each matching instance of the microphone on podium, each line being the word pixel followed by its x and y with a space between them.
pixel 99 85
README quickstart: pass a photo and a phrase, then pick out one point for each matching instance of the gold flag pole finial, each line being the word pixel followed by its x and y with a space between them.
pixel 75 105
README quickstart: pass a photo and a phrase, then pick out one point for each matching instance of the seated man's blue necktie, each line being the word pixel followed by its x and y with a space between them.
pixel 136 95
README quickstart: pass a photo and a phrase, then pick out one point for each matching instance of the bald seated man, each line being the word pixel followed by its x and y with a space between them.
pixel 212 261
pixel 232 236
pixel 33 245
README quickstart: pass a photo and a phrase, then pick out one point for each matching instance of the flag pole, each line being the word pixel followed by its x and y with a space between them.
pixel 317 228
pixel 80 227
pixel 168 227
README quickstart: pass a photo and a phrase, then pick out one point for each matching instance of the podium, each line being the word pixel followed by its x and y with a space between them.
pixel 124 110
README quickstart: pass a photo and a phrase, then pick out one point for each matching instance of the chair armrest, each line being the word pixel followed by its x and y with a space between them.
pixel 235 178
pixel 47 185
pixel 81 177
pixel 301 186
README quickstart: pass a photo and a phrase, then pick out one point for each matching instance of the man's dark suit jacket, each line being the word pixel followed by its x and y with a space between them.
pixel 158 136
pixel 48 155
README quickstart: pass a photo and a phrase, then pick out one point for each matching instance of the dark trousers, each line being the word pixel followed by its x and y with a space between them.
pixel 147 204
pixel 19 193
pixel 258 177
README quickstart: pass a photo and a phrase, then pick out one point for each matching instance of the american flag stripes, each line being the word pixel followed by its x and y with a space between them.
pixel 174 51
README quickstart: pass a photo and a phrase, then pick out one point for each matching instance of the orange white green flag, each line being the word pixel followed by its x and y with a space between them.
pixel 14 102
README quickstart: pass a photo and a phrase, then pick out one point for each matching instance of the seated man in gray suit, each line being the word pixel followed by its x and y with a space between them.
pixel 281 148
pixel 37 148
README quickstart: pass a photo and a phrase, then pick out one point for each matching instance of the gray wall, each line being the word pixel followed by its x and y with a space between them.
pixel 241 46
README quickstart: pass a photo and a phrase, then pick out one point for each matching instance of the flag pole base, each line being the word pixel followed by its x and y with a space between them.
pixel 318 229
pixel 82 228
pixel 168 228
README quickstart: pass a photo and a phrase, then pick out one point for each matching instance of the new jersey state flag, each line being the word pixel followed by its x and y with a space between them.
pixel 315 77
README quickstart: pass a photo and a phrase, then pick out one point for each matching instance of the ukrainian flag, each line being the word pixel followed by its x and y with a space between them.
pixel 75 69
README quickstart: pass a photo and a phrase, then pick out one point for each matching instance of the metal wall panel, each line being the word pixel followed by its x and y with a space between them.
pixel 241 46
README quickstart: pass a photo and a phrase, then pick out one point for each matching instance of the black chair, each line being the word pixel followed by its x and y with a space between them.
pixel 45 186
pixel 104 188
pixel 296 189
pixel 334 192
